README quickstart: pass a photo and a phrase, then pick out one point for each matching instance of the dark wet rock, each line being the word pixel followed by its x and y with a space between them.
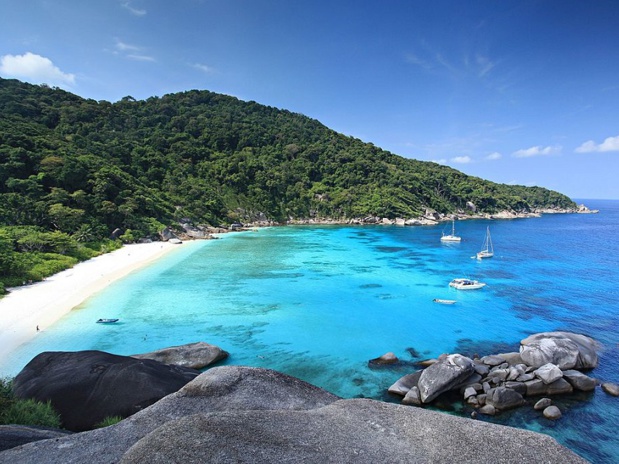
pixel 85 387
pixel 16 435
pixel 487 409
pixel 579 381
pixel 196 355
pixel 404 384
pixel 611 388
pixel 535 387
pixel 448 373
pixel 387 358
pixel 503 398
pixel 542 404
pixel 552 413
pixel 548 373
pixel 566 350
pixel 520 387
pixel 427 362
pixel 559 387
pixel 481 368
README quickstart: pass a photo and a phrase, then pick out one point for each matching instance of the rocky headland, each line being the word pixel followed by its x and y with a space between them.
pixel 174 413
pixel 189 231
pixel 252 415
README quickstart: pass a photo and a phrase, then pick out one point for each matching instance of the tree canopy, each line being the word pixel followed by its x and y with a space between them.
pixel 86 167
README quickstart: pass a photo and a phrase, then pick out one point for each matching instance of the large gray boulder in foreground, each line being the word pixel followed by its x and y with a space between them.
pixel 347 431
pixel 85 387
pixel 241 414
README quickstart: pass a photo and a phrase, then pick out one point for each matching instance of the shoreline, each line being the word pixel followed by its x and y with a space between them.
pixel 28 309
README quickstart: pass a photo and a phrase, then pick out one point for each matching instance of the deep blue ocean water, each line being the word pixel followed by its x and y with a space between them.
pixel 319 302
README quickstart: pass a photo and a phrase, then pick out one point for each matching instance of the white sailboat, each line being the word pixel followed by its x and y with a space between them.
pixel 487 250
pixel 451 237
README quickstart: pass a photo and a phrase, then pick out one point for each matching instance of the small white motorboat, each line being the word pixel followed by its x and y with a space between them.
pixel 466 284
pixel 442 301
pixel 106 321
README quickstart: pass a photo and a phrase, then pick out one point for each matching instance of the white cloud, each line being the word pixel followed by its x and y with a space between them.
pixel 132 51
pixel 135 11
pixel 461 159
pixel 34 68
pixel 484 64
pixel 204 68
pixel 537 151
pixel 494 156
pixel 609 144
pixel 134 57
pixel 439 161
pixel 124 47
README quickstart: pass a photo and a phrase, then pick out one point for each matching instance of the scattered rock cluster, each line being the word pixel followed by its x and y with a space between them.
pixel 548 364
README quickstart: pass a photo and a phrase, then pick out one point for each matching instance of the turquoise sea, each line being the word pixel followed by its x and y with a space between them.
pixel 319 302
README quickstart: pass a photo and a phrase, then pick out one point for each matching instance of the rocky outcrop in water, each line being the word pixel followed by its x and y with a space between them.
pixel 240 414
pixel 545 365
pixel 85 387
pixel 196 355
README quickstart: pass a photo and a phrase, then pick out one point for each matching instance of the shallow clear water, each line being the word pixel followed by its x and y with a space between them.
pixel 319 302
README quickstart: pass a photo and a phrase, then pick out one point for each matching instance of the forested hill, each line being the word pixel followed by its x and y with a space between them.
pixel 84 167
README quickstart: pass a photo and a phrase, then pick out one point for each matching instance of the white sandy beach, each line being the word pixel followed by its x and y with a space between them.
pixel 43 303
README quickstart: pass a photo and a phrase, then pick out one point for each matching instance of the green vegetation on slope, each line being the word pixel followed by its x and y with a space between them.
pixel 84 168
pixel 25 412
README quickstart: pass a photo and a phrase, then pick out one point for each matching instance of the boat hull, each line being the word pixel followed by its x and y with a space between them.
pixel 466 284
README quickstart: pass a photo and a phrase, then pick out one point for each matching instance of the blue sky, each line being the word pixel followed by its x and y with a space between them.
pixel 523 92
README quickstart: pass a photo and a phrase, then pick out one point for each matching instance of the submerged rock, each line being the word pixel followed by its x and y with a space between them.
pixel 552 413
pixel 387 358
pixel 611 388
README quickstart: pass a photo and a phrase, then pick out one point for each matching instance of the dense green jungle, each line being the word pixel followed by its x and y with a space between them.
pixel 72 170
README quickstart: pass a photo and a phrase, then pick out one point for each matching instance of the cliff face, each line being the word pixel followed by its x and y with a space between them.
pixel 241 414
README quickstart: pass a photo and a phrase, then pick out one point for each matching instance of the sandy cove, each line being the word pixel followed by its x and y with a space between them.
pixel 39 305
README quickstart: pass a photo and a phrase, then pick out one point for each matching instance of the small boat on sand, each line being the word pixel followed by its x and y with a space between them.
pixel 106 321
pixel 442 301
